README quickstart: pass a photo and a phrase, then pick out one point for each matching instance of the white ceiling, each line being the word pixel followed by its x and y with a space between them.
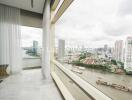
pixel 25 4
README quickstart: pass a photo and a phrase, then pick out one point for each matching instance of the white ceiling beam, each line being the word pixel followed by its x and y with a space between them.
pixel 62 6
pixel 55 4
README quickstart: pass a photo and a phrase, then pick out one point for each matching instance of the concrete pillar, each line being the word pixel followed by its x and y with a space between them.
pixel 46 41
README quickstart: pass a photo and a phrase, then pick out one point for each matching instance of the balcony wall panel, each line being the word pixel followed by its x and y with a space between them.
pixel 31 19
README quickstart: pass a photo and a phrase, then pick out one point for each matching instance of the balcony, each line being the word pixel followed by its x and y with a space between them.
pixel 53 81
pixel 29 85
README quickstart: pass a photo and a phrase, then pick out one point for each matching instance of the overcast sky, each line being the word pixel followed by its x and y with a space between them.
pixel 29 34
pixel 96 22
pixel 90 22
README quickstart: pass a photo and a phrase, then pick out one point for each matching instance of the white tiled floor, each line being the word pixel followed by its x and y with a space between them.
pixel 29 85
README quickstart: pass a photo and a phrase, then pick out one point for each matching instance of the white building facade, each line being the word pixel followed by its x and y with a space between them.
pixel 128 54
pixel 118 51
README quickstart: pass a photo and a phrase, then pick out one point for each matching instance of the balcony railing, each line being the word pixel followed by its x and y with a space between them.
pixel 73 87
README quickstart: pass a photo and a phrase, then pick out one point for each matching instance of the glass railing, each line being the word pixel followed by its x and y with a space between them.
pixel 31 62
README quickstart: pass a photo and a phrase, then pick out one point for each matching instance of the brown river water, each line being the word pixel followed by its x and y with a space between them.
pixel 92 75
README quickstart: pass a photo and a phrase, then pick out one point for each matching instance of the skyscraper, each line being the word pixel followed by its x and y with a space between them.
pixel 61 49
pixel 118 50
pixel 35 47
pixel 128 54
pixel 113 52
pixel 105 47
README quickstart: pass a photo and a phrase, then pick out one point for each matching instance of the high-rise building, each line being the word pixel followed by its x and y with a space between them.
pixel 123 58
pixel 118 51
pixel 105 47
pixel 35 47
pixel 128 54
pixel 113 52
pixel 61 49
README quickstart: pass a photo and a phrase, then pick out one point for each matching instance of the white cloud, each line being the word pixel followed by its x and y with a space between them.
pixel 96 21
pixel 29 34
pixel 126 7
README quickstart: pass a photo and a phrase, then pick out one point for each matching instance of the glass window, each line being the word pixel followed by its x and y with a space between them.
pixel 94 41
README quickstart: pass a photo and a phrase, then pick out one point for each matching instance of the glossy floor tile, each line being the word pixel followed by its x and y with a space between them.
pixel 29 85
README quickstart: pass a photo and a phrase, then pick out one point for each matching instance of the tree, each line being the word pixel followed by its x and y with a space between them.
pixel 113 62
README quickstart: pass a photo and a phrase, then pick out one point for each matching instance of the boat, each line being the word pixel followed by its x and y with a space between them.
pixel 113 85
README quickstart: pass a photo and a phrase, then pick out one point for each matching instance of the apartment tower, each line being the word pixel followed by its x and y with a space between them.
pixel 119 50
pixel 128 53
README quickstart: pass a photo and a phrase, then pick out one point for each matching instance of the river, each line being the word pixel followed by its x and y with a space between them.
pixel 92 75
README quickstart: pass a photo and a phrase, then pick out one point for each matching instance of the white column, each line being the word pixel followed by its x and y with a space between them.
pixel 46 41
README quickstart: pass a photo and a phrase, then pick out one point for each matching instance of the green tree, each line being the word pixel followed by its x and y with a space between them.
pixel 113 62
